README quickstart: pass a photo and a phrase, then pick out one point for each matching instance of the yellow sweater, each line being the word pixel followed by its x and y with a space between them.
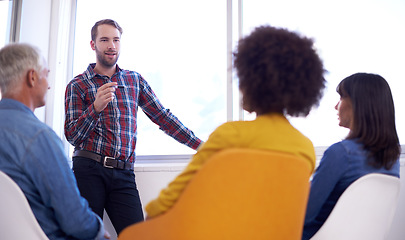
pixel 269 131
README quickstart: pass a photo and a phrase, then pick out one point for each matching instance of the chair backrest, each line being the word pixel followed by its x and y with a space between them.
pixel 237 194
pixel 16 218
pixel 364 211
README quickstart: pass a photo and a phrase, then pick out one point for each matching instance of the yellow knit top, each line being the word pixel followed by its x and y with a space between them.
pixel 269 131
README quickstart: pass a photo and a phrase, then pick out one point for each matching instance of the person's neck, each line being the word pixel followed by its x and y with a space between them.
pixel 22 97
pixel 104 70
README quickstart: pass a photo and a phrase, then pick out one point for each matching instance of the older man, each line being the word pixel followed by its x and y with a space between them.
pixel 32 154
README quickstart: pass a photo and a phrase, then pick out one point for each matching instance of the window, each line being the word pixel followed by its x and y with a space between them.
pixel 9 21
pixel 10 18
pixel 5 18
pixel 180 48
pixel 351 36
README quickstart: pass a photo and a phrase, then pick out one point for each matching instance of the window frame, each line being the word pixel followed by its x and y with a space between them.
pixel 234 111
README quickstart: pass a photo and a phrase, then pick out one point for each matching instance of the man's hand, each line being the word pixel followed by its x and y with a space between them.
pixel 104 95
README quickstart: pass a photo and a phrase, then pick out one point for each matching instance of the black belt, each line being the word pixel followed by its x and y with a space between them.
pixel 108 162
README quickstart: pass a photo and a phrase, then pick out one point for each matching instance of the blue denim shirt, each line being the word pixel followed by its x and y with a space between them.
pixel 33 156
pixel 342 164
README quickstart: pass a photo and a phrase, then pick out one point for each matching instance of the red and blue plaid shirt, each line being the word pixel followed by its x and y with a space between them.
pixel 112 132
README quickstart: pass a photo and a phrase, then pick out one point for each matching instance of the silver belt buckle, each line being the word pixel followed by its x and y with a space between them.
pixel 105 161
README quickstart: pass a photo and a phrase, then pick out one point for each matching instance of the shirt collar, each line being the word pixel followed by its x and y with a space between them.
pixel 90 70
pixel 11 104
pixel 272 115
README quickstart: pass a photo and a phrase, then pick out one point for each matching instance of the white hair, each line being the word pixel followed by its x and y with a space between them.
pixel 15 60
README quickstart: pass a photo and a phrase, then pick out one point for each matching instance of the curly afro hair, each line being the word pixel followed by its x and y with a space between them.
pixel 279 71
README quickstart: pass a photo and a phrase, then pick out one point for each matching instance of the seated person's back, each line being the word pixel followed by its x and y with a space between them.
pixel 279 74
pixel 32 154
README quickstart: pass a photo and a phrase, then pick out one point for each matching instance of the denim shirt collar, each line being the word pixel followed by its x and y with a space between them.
pixel 89 73
pixel 11 104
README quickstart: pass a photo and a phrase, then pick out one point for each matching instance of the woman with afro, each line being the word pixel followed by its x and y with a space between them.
pixel 280 73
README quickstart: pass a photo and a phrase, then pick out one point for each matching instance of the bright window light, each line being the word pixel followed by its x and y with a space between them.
pixel 179 47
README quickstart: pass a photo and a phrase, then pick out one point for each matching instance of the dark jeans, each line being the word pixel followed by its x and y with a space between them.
pixel 111 189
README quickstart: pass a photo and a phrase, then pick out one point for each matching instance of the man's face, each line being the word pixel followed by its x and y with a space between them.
pixel 43 85
pixel 107 45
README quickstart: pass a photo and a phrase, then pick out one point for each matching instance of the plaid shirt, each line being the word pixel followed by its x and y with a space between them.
pixel 112 132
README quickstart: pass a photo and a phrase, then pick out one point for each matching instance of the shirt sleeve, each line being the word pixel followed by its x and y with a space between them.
pixel 47 164
pixel 80 120
pixel 330 170
pixel 220 139
pixel 161 116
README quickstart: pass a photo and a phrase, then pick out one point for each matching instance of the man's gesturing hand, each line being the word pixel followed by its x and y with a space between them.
pixel 104 95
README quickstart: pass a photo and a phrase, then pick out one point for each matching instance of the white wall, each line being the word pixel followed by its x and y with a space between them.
pixel 35 29
pixel 150 180
pixel 397 229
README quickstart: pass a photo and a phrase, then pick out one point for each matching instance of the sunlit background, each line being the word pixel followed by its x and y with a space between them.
pixel 180 48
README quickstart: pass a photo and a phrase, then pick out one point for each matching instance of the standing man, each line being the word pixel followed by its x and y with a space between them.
pixel 32 154
pixel 101 113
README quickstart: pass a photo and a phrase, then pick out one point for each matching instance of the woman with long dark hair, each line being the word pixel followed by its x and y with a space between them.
pixel 365 107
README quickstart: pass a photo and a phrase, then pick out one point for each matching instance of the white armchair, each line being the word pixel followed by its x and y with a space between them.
pixel 364 211
pixel 16 218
